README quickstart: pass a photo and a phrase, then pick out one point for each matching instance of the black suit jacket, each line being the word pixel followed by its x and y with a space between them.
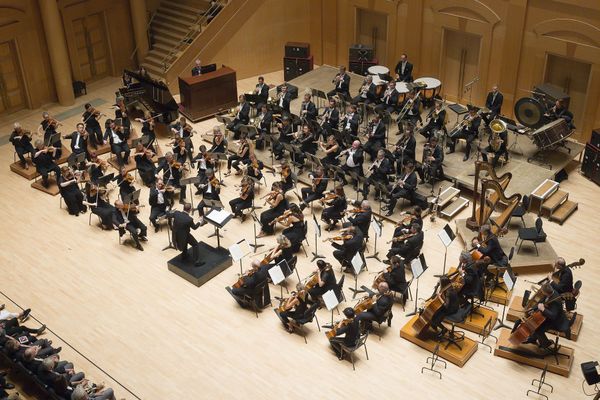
pixel 351 331
pixel 493 250
pixel 354 122
pixel 383 304
pixel 284 102
pixel 244 116
pixel 82 143
pixel 407 75
pixel 153 199
pixel 379 135
pixel 264 92
pixel 392 99
pixel 311 110
pixel 182 224
pixel 196 71
pixel 565 283
pixel 495 105
pixel 344 85
pixel 362 221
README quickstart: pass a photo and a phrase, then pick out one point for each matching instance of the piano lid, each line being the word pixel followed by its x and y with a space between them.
pixel 152 93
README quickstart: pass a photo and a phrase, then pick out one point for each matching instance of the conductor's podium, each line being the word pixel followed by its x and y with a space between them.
pixel 216 260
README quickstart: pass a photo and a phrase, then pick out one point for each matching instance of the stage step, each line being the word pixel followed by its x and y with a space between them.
pixel 563 212
pixel 455 207
pixel 554 201
pixel 447 196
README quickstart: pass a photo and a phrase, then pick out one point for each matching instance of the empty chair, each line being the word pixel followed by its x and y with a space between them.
pixel 521 210
pixel 535 235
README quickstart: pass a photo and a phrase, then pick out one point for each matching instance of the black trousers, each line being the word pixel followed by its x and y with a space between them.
pixel 234 161
pixel 157 211
pixel 74 201
pixel 380 108
pixel 191 241
pixel 463 135
pixel 21 151
pixel 308 195
pixel 331 214
pixel 95 133
pixel 371 180
pixel 399 193
pixel 46 170
pixel 132 227
pixel 238 204
pixel 502 151
pixel 105 215
pixel 117 149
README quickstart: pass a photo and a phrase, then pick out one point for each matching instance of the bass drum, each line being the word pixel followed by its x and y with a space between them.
pixel 529 112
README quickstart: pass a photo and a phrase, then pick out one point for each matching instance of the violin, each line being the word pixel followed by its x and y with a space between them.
pixel 340 237
pixel 271 196
pixel 286 214
pixel 174 164
pixel 245 191
pixel 401 238
pixel 53 122
pixel 406 220
pixel 316 181
pixel 380 276
pixel 328 197
pixel 214 182
pixel 131 207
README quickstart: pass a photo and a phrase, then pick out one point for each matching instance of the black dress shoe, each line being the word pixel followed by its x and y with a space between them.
pixel 139 247
pixel 389 213
pixel 156 228
pixel 465 158
pixel 8 385
pixel 25 314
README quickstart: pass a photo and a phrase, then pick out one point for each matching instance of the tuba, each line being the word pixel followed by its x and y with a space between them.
pixel 497 126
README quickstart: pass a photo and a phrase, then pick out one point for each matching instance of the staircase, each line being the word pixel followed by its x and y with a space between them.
pixel 174 23
pixel 550 201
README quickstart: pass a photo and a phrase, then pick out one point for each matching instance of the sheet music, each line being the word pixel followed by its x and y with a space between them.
pixel 446 235
pixel 276 275
pixel 357 263
pixel 236 252
pixel 330 300
pixel 508 280
pixel 416 267
pixel 218 216
pixel 377 228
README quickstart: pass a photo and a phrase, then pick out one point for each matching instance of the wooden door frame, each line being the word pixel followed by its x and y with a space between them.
pixel 14 44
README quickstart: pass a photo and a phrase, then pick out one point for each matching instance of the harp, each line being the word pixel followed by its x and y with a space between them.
pixel 482 210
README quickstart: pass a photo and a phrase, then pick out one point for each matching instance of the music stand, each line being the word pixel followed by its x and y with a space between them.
pixel 105 179
pixel 293 150
pixel 509 280
pixel 278 273
pixel 255 246
pixel 218 218
pixel 271 140
pixel 377 226
pixel 220 157
pixel 238 251
pixel 53 139
pixel 131 197
pixel 331 301
pixel 418 266
pixel 337 171
pixel 171 245
pixel 251 131
pixel 317 229
pixel 357 263
pixel 194 180
pixel 381 187
pixel 447 236
pixel 360 180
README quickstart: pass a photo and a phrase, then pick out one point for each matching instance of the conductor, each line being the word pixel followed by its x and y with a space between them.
pixel 182 222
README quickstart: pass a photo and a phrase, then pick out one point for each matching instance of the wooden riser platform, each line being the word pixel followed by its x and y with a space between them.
pixel 524 261
pixel 500 295
pixel 477 323
pixel 130 166
pixel 52 188
pixel 105 148
pixel 515 312
pixel 564 211
pixel 66 152
pixel 451 354
pixel 28 174
pixel 565 360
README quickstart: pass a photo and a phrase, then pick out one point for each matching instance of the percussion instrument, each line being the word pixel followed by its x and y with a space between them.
pixel 375 70
pixel 529 112
pixel 432 88
pixel 402 89
pixel 551 134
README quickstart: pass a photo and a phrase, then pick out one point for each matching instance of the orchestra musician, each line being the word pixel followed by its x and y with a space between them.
pixel 158 203
pixel 245 198
pixel 383 304
pixel 242 117
pixel 283 251
pixel 352 241
pixel 330 119
pixel 316 190
pixel 118 142
pixel 489 245
pixel 405 149
pixel 209 189
pixel 404 69
pixel 121 115
pixel 367 92
pixel 79 142
pixel 92 126
pixel 240 157
pixel 308 110
pixel 404 187
pixel 287 180
pixel 321 281
pixel 350 330
pixel 256 276
pixel 407 246
pixel 204 160
pixel 148 126
pixel 375 136
pixel 47 129
pixel 436 121
pixel 395 275
pixel 562 282
pixel 379 171
pixel 262 91
pixel 43 159
pixel 263 126
pixel 497 146
pixel 336 205
pixel 292 309
pixel 308 145
pixel 144 164
pixel 181 224
pixel 354 160
pixel 294 226
pixel 350 122
pixel 469 131
pixel 472 277
pixel 413 115
pixel 183 132
pixel 125 182
pixel 95 199
pixel 555 318
pixel 21 140
pixel 219 143
pixel 254 167
pixel 559 110
pixel 197 70
pixel 277 204
pixel 68 185
pixel 126 219
pixel 451 305
pixel 331 150
pixel 389 99
pixel 285 136
pixel 361 217
pixel 342 84
pixel 171 175
pixel 431 168
pixel 284 99
pixel 493 102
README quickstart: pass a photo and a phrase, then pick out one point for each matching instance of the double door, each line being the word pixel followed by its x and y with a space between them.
pixel 92 56
pixel 12 92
